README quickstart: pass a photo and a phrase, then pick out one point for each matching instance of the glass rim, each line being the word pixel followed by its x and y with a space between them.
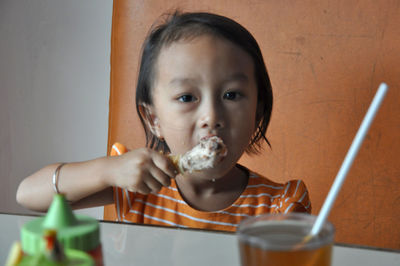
pixel 325 237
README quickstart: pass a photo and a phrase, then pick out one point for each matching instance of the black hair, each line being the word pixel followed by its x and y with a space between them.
pixel 190 25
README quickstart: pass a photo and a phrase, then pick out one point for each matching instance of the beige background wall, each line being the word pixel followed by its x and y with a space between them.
pixel 326 60
pixel 54 87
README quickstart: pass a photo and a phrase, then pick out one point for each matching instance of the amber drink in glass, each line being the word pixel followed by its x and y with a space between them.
pixel 278 240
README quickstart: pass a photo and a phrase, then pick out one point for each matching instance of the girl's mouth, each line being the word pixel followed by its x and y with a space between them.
pixel 208 137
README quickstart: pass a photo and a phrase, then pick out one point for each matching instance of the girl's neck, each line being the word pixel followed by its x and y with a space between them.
pixel 213 195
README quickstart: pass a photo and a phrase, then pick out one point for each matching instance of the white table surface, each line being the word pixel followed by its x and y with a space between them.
pixel 130 244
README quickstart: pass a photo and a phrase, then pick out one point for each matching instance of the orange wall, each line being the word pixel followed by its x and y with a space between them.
pixel 326 60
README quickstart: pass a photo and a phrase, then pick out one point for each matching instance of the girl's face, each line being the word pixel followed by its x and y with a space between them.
pixel 204 87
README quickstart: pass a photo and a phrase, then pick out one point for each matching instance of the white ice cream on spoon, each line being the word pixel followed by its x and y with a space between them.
pixel 205 155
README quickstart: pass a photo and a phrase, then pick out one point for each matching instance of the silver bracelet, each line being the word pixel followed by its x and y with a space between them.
pixel 55 177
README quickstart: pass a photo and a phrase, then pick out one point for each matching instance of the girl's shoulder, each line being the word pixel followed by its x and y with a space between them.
pixel 293 187
pixel 257 178
pixel 282 197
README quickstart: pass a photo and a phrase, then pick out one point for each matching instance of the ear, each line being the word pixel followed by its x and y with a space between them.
pixel 152 122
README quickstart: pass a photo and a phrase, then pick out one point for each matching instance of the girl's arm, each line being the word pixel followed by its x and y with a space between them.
pixel 89 184
pixel 84 185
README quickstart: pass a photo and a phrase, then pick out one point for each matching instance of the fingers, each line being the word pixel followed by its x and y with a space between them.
pixel 159 173
pixel 152 171
pixel 160 176
pixel 141 188
pixel 153 183
pixel 149 182
pixel 163 163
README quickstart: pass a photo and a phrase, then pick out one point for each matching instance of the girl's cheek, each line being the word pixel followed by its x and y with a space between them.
pixel 178 125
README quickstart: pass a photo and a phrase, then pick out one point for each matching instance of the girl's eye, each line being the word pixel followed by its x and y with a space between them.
pixel 231 95
pixel 186 98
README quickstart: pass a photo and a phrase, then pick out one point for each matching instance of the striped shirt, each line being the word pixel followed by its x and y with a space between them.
pixel 168 208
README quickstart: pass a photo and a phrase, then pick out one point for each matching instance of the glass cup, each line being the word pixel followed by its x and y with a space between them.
pixel 278 240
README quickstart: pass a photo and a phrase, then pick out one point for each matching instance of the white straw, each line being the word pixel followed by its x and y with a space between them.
pixel 348 161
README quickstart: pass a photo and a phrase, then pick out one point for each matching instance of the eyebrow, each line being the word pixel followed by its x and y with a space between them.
pixel 181 81
pixel 235 77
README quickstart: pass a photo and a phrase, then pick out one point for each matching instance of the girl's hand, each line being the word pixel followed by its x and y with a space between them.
pixel 142 170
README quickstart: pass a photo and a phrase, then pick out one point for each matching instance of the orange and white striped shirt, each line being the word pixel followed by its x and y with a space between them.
pixel 168 208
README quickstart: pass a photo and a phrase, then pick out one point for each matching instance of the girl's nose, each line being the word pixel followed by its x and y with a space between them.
pixel 211 118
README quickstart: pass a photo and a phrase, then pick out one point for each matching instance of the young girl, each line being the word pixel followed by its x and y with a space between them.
pixel 201 75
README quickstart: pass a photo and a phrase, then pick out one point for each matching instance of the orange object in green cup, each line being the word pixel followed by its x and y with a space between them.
pixel 74 232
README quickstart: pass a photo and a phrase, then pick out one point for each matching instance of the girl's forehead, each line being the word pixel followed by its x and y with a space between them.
pixel 204 54
pixel 205 42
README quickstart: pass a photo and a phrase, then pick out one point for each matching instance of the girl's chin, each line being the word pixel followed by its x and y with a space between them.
pixel 211 174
